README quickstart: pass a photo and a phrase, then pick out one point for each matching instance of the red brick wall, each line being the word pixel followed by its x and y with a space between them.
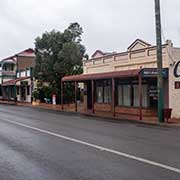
pixel 102 107
pixel 135 111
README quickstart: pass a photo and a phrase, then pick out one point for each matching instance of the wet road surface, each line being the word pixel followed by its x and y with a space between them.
pixel 38 144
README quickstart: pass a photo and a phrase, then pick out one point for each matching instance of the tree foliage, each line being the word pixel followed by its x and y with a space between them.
pixel 59 54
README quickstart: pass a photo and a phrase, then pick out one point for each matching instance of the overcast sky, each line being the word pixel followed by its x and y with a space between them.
pixel 109 25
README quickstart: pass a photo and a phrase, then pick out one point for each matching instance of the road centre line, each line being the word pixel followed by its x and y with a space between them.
pixel 101 148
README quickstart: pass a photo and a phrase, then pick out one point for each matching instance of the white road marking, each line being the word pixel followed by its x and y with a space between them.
pixel 101 148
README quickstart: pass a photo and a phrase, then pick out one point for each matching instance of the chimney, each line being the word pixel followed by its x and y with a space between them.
pixel 169 42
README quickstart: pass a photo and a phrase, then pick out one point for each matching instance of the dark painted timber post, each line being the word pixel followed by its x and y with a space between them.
pixel 15 94
pixel 8 93
pixel 159 61
pixel 92 91
pixel 140 96
pixel 75 92
pixel 113 97
pixel 62 95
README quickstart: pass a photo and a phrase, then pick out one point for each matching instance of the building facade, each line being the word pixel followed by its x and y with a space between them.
pixel 16 79
pixel 126 83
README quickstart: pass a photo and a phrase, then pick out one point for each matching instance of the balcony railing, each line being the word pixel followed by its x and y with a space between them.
pixel 7 73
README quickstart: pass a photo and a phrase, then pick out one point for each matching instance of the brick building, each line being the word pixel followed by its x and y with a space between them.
pixel 16 79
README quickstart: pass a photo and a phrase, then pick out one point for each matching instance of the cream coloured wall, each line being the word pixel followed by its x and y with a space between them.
pixel 174 94
pixel 142 58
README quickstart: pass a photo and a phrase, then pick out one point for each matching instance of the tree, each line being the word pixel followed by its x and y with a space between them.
pixel 59 54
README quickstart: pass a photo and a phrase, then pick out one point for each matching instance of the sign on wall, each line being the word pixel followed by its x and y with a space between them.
pixel 177 75
pixel 177 85
pixel 153 91
pixel 177 70
pixel 152 72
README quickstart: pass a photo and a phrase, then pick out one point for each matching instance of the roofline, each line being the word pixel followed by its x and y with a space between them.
pixel 14 80
pixel 140 41
pixel 125 52
pixel 103 75
pixel 16 55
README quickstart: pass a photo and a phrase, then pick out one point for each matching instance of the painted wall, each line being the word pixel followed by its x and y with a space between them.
pixel 174 94
pixel 133 59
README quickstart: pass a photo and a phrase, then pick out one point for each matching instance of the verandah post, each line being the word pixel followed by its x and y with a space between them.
pixel 113 97
pixel 140 96
pixel 75 91
pixel 62 95
pixel 92 91
pixel 15 94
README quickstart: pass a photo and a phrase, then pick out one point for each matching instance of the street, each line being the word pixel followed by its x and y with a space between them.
pixel 37 144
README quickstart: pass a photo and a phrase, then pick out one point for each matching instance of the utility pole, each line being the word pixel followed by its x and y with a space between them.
pixel 159 62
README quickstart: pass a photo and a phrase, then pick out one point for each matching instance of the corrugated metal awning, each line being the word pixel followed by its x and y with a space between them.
pixel 107 75
pixel 14 81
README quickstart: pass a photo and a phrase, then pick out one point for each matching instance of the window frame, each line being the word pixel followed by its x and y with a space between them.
pixel 104 84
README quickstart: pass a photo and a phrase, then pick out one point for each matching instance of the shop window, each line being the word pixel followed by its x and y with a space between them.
pixel 128 95
pixel 124 95
pixel 103 91
pixel 99 94
pixel 136 95
pixel 120 95
pixel 107 94
pixel 145 95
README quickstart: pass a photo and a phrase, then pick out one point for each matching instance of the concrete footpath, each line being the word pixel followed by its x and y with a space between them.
pixel 69 109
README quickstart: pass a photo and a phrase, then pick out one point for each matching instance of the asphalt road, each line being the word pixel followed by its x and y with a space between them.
pixel 38 144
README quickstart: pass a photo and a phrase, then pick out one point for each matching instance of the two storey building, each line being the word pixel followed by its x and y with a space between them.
pixel 16 79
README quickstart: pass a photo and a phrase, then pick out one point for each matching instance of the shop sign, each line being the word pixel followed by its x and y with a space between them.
pixel 152 72
pixel 177 85
pixel 153 91
pixel 177 75
pixel 176 72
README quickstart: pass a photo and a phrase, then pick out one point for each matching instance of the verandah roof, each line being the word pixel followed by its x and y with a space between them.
pixel 14 81
pixel 107 75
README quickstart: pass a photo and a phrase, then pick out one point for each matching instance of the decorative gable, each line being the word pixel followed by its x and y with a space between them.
pixel 97 53
pixel 138 44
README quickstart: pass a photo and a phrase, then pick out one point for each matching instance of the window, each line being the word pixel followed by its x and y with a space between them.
pixel 129 95
pixel 99 94
pixel 120 95
pixel 136 95
pixel 107 94
pixel 145 95
pixel 124 95
pixel 103 91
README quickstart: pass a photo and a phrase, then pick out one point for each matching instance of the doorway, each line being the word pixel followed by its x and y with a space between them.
pixel 23 93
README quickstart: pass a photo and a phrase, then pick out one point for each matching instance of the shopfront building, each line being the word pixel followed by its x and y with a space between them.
pixel 125 84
